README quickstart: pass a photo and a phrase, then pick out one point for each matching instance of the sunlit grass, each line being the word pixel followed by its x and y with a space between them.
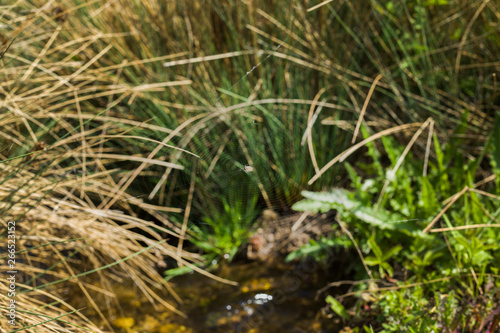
pixel 97 98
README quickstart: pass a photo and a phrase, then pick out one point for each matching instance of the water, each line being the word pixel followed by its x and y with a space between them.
pixel 276 298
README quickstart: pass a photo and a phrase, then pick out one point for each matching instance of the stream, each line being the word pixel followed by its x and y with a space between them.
pixel 269 298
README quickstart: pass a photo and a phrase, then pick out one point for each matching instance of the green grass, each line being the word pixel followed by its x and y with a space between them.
pixel 116 89
pixel 434 233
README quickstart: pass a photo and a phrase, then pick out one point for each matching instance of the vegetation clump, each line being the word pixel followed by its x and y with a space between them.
pixel 142 140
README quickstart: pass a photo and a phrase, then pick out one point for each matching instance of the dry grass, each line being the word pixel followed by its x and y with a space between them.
pixel 59 178
pixel 76 70
pixel 61 209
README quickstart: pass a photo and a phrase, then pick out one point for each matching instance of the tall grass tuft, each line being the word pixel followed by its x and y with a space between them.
pixel 260 96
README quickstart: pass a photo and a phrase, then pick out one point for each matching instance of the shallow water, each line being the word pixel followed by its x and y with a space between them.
pixel 277 298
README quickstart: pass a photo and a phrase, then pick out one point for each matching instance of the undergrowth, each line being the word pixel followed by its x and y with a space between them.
pixel 431 240
pixel 191 117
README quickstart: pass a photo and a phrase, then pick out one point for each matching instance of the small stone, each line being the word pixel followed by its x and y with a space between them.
pixel 124 322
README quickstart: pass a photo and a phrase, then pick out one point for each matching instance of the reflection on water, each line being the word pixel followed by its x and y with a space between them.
pixel 269 299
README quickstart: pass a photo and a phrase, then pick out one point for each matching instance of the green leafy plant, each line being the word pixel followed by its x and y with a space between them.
pixel 406 311
pixel 389 230
pixel 254 84
pixel 222 233
pixel 337 307
pixel 380 258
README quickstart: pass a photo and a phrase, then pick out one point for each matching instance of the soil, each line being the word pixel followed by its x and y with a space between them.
pixel 277 236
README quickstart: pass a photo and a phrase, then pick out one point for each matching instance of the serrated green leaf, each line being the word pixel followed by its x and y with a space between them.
pixel 339 199
pixel 314 206
pixel 336 196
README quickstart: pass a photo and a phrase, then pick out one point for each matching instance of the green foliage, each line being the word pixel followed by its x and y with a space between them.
pixel 389 230
pixel 351 207
pixel 224 231
pixel 380 258
pixel 405 311
pixel 411 310
pixel 173 272
pixel 252 99
pixel 320 250
pixel 337 307
pixel 250 106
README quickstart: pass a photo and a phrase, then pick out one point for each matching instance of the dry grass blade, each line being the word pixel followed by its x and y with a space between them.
pixel 342 156
pixel 156 86
pixel 187 212
pixel 485 181
pixel 485 193
pixel 361 256
pixel 299 221
pixel 310 122
pixel 319 5
pixel 392 174
pixel 283 28
pixel 150 140
pixel 452 201
pixel 471 226
pixel 50 320
pixel 82 288
pixel 365 106
pixel 208 58
pixel 143 160
pixel 45 194
pixel 279 42
pixel 465 227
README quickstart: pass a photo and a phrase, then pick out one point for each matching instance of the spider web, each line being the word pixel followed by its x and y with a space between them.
pixel 247 148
